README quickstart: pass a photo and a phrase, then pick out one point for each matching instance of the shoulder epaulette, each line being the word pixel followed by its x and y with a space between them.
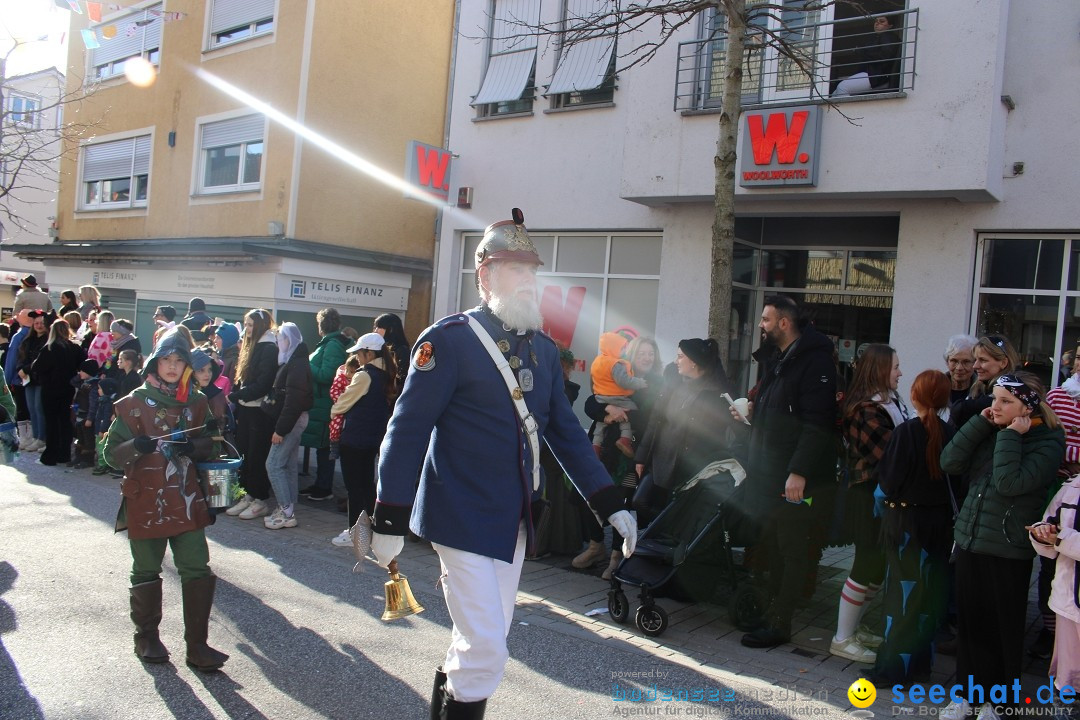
pixel 458 319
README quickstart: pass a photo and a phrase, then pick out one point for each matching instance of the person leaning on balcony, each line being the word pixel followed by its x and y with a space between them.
pixel 879 67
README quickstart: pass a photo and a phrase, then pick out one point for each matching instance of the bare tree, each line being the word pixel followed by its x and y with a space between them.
pixel 747 26
pixel 30 148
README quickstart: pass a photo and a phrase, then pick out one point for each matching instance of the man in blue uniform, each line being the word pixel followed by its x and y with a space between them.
pixel 469 421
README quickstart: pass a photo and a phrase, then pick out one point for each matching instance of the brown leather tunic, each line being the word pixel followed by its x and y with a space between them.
pixel 160 498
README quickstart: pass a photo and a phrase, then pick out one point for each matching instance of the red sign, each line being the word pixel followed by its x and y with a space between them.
pixel 783 147
pixel 428 167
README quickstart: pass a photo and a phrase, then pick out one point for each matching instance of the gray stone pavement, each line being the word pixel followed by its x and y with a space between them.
pixel 555 598
pixel 555 595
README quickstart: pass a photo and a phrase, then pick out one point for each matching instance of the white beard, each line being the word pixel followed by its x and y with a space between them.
pixel 518 312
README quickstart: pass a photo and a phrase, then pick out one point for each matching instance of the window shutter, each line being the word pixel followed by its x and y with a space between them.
pixel 130 39
pixel 232 132
pixel 108 160
pixel 142 155
pixel 584 64
pixel 228 14
pixel 513 51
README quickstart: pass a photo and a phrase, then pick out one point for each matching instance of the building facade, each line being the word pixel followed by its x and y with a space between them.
pixel 189 188
pixel 931 202
pixel 33 113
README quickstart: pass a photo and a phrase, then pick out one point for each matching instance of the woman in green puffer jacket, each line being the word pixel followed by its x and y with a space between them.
pixel 1010 452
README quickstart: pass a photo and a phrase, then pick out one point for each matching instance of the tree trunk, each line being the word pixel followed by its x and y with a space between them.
pixel 723 227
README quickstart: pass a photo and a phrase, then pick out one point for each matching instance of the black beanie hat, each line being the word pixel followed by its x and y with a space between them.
pixel 704 352
pixel 90 367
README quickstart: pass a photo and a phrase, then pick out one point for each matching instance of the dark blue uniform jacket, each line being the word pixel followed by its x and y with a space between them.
pixel 455 416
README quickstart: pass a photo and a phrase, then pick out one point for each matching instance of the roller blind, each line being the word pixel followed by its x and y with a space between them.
pixel 248 128
pixel 131 37
pixel 228 14
pixel 584 64
pixel 513 51
pixel 104 161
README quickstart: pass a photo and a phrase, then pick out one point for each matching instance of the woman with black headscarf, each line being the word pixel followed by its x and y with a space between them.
pixel 692 428
pixel 389 326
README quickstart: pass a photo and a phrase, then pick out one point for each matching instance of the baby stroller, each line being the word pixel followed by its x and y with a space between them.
pixel 686 551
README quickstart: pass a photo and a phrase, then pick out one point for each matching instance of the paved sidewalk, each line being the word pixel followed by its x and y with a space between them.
pixel 557 596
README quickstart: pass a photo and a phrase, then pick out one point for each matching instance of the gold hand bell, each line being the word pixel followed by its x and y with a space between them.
pixel 399 598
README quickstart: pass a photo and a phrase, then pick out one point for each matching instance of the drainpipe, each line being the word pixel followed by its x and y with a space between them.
pixel 446 143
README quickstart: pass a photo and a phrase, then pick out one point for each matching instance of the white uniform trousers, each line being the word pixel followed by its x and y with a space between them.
pixel 480 594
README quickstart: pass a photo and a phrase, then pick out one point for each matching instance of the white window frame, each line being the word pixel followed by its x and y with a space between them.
pixel 257 25
pixel 510 50
pixel 148 50
pixel 146 136
pixel 26 117
pixel 202 157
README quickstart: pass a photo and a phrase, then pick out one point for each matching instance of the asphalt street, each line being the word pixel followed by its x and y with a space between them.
pixel 304 632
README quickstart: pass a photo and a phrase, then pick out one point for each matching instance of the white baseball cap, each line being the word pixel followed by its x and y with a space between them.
pixel 369 341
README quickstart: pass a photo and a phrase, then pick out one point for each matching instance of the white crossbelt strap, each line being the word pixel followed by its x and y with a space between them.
pixel 528 422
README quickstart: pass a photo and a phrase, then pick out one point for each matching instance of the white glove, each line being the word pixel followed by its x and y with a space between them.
pixel 624 524
pixel 386 547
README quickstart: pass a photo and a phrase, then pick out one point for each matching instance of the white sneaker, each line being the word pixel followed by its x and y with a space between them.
pixel 279 520
pixel 239 506
pixel 987 712
pixel 851 649
pixel 867 638
pixel 344 539
pixel 955 711
pixel 257 508
pixel 36 446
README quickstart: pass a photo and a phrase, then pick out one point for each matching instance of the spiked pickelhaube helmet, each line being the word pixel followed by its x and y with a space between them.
pixel 507 240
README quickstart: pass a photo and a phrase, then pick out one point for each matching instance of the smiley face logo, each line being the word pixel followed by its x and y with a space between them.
pixel 862 693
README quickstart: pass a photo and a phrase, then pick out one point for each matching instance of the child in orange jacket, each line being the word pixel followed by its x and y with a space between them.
pixel 613 383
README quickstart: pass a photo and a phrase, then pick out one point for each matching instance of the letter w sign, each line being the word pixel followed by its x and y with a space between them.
pixel 780 147
pixel 428 168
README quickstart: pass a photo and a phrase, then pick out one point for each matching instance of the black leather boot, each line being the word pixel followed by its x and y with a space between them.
pixel 444 707
pixel 198 598
pixel 146 614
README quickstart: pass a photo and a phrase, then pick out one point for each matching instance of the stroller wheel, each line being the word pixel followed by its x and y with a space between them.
pixel 747 607
pixel 618 606
pixel 651 620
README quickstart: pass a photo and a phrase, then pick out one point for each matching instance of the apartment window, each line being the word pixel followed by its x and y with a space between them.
pixel 116 175
pixel 510 80
pixel 231 155
pixel 236 20
pixel 1029 292
pixel 24 111
pixel 586 71
pixel 135 35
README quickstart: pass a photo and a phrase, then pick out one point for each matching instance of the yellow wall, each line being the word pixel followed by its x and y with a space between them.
pixel 378 80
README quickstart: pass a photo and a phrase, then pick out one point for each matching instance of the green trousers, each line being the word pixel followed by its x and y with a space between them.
pixel 190 555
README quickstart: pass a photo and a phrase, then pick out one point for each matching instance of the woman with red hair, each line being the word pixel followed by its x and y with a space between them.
pixel 917 533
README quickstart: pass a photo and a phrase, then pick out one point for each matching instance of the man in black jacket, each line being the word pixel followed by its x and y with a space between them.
pixel 792 453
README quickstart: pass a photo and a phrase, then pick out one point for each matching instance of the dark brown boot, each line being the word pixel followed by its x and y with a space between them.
pixel 198 598
pixel 146 614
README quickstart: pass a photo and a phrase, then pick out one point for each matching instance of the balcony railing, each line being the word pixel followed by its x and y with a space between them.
pixel 815 58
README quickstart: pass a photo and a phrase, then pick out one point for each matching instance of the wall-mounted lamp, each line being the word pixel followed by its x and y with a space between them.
pixel 172 138
pixel 1008 102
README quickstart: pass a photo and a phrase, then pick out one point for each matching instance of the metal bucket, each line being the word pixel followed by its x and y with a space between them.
pixel 220 479
pixel 9 441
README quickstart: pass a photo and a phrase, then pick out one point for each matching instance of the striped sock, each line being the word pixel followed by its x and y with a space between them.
pixel 852 601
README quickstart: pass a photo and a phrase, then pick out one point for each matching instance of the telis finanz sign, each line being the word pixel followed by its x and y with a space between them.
pixel 780 147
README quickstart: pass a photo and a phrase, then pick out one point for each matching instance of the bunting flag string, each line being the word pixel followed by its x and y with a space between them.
pixel 90 39
pixel 93 11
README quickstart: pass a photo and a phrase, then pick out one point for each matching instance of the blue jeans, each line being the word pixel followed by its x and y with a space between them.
pixel 281 463
pixel 37 410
